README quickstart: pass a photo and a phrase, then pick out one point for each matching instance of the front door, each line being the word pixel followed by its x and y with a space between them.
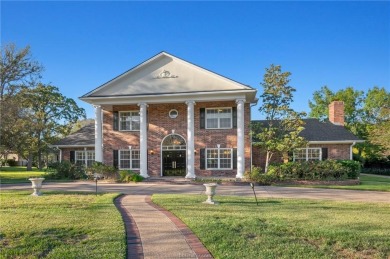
pixel 174 163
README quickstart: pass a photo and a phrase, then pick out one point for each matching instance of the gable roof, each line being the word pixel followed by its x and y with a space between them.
pixel 165 74
pixel 84 137
pixel 322 131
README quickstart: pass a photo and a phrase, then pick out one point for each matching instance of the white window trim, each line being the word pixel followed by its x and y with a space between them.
pixel 131 160
pixel 307 154
pixel 217 108
pixel 85 156
pixel 120 121
pixel 219 159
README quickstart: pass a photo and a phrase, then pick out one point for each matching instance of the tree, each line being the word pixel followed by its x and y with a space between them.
pixel 366 114
pixel 47 115
pixel 281 132
pixel 18 70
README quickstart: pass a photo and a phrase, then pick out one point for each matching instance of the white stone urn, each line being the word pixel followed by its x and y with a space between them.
pixel 210 192
pixel 37 186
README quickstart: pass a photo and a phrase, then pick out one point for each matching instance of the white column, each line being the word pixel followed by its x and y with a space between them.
pixel 98 134
pixel 143 139
pixel 190 140
pixel 85 157
pixel 240 138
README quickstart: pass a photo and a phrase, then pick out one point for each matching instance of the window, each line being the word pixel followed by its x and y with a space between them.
pixel 85 157
pixel 307 154
pixel 173 113
pixel 220 118
pixel 129 121
pixel 219 158
pixel 129 159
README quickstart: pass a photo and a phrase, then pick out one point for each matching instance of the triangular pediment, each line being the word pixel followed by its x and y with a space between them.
pixel 165 74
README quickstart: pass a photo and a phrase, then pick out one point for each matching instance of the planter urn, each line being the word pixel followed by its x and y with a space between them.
pixel 36 185
pixel 210 192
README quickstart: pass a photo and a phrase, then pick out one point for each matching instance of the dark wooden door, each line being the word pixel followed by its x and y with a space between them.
pixel 174 163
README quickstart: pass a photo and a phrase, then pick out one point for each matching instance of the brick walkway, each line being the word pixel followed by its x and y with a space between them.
pixel 153 232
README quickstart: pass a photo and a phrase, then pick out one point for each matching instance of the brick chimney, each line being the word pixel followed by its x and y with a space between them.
pixel 336 113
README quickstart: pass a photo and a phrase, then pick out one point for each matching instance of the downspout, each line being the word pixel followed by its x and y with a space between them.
pixel 350 151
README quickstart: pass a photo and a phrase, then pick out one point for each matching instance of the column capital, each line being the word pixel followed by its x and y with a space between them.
pixel 190 102
pixel 96 106
pixel 240 100
pixel 143 104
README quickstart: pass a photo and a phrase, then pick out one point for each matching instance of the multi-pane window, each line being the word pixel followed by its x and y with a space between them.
pixel 129 121
pixel 219 118
pixel 307 154
pixel 219 158
pixel 129 159
pixel 85 157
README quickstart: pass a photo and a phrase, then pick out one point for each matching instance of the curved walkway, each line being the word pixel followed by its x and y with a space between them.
pixel 158 235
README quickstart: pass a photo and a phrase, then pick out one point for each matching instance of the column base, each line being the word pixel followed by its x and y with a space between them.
pixel 190 176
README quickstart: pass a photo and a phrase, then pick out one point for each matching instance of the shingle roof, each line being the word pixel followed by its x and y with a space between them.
pixel 316 130
pixel 83 137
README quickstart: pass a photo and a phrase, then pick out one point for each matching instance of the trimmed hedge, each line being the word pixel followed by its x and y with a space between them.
pixel 65 170
pixel 378 171
pixel 129 176
pixel 311 170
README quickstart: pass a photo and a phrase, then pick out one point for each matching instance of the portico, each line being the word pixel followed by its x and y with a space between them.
pixel 163 95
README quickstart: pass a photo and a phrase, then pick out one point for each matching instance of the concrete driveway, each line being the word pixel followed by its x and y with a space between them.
pixel 261 191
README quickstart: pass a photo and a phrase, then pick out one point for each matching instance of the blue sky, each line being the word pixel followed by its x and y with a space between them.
pixel 84 44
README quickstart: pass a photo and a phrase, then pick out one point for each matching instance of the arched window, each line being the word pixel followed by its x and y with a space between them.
pixel 173 142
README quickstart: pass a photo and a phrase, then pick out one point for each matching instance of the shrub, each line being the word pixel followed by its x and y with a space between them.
pixel 377 171
pixel 257 175
pixel 315 170
pixel 129 176
pixel 11 162
pixel 101 170
pixel 66 170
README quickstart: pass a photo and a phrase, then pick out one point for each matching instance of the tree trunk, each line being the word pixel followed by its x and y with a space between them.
pixel 267 162
pixel 29 162
pixel 285 157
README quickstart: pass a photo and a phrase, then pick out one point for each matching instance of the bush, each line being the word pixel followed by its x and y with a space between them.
pixel 129 176
pixel 257 175
pixel 315 170
pixel 377 171
pixel 66 170
pixel 101 170
pixel 11 162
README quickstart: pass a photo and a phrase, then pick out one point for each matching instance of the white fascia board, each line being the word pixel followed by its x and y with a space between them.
pixel 336 142
pixel 169 98
pixel 71 146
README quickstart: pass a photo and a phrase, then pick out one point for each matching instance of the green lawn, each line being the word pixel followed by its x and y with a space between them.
pixel 367 183
pixel 58 225
pixel 284 228
pixel 18 174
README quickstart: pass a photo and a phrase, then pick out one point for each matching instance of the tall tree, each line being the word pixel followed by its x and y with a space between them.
pixel 18 70
pixel 281 132
pixel 48 115
pixel 365 113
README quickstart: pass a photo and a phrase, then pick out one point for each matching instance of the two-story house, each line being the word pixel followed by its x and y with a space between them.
pixel 167 116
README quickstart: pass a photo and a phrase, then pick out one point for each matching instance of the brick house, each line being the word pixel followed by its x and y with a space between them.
pixel 167 116
pixel 326 139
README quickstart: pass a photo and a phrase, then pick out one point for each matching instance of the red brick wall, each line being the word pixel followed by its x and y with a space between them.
pixel 66 152
pixel 161 125
pixel 335 151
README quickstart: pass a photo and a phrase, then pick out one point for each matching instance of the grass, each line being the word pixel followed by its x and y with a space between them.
pixel 18 174
pixel 367 183
pixel 58 225
pixel 284 228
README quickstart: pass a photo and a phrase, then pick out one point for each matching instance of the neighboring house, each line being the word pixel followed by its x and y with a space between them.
pixel 326 140
pixel 167 116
